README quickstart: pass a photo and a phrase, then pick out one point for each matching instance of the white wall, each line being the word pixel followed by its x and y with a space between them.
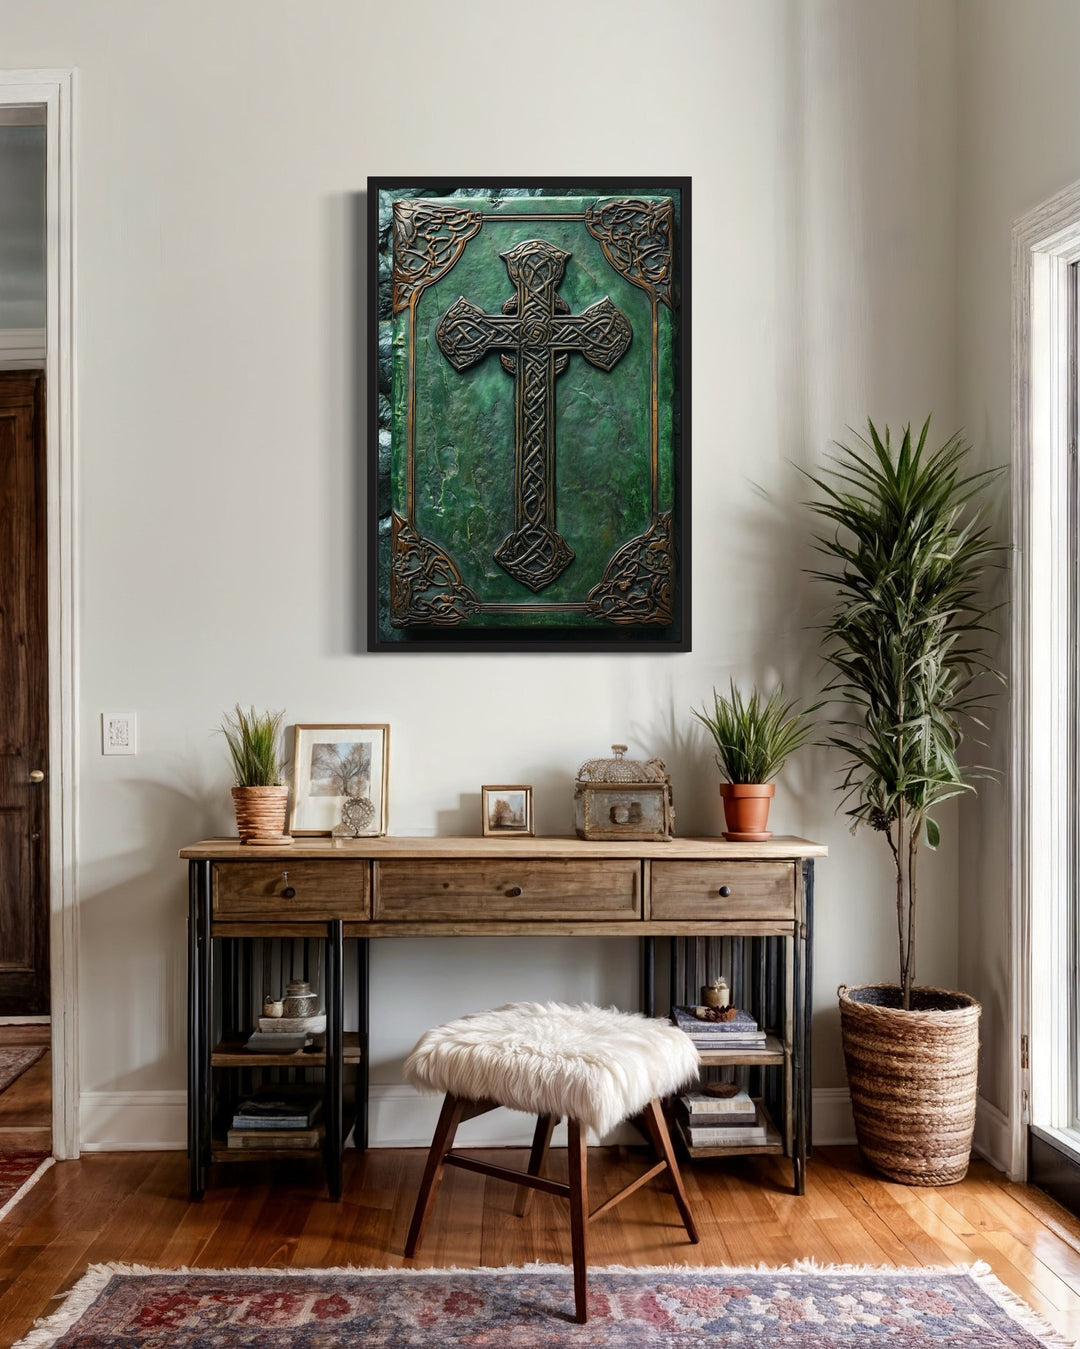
pixel 222 153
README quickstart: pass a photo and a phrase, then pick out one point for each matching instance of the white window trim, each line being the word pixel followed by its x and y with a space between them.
pixel 1045 243
pixel 54 89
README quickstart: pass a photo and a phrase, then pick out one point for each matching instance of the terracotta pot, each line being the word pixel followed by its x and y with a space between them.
pixel 260 813
pixel 746 810
pixel 914 1079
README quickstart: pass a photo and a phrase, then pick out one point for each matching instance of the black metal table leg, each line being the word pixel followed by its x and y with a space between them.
pixel 363 981
pixel 194 1058
pixel 648 975
pixel 335 1015
pixel 798 1091
pixel 199 992
pixel 808 993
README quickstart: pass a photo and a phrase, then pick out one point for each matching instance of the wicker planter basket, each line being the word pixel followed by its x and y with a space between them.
pixel 260 814
pixel 913 1077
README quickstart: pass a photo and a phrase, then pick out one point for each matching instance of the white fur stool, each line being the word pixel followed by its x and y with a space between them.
pixel 593 1065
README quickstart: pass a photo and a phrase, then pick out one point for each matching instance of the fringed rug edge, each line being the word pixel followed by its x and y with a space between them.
pixel 82 1295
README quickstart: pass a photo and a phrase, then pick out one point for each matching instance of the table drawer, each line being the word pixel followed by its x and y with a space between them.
pixel 324 890
pixel 519 891
pixel 697 890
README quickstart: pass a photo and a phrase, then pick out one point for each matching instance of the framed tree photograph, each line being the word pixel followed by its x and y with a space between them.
pixel 336 765
pixel 529 412
pixel 507 810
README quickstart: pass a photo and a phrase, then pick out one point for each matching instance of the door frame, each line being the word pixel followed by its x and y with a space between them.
pixel 1046 243
pixel 55 90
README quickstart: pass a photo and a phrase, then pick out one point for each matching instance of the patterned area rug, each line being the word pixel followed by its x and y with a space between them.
pixel 118 1307
pixel 19 1173
pixel 14 1062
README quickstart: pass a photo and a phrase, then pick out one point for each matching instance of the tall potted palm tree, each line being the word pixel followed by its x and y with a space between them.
pixel 906 640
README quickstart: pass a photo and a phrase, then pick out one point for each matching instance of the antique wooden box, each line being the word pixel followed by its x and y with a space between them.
pixel 620 798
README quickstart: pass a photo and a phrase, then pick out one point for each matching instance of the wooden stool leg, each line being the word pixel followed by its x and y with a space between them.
pixel 658 1132
pixel 452 1109
pixel 545 1127
pixel 579 1215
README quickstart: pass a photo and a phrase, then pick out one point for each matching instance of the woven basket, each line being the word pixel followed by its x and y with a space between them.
pixel 913 1077
pixel 260 813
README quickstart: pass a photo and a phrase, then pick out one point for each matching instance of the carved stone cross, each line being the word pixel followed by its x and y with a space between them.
pixel 535 336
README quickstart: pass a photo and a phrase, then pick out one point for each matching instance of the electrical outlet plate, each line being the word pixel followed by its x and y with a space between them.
pixel 118 732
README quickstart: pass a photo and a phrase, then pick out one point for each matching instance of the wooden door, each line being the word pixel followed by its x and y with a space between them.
pixel 24 699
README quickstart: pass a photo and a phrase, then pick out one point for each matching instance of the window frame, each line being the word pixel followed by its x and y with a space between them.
pixel 1044 796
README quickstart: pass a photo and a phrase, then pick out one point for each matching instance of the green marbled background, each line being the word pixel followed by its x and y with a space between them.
pixel 464 422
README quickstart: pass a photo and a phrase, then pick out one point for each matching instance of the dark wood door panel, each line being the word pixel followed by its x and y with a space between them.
pixel 24 729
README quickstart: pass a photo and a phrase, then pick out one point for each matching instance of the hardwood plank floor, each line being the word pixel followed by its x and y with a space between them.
pixel 133 1207
pixel 26 1109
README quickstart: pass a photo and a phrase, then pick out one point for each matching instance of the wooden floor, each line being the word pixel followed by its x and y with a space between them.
pixel 132 1207
pixel 26 1106
pixel 26 1111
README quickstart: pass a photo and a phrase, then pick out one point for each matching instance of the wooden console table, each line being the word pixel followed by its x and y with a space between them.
pixel 344 890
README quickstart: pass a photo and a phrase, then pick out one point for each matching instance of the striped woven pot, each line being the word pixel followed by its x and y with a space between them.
pixel 260 813
pixel 913 1077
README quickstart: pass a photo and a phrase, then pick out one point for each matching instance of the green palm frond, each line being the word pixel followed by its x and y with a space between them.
pixel 755 735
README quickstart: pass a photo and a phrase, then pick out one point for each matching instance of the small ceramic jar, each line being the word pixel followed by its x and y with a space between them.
pixel 716 994
pixel 273 1007
pixel 299 999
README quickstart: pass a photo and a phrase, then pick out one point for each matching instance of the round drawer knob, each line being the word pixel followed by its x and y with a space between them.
pixel 724 891
pixel 289 892
pixel 513 892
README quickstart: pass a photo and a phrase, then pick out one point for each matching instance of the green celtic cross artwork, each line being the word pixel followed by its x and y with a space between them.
pixel 527 465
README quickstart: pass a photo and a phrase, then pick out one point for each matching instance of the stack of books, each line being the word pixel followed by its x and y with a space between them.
pixel 741 1032
pixel 715 1122
pixel 277 1117
pixel 286 1034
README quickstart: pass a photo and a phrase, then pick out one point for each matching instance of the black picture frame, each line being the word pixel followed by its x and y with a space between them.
pixel 658 619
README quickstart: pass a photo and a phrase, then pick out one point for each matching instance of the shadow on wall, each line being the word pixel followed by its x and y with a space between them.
pixel 133 936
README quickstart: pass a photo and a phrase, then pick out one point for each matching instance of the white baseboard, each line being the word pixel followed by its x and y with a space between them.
pixel 133 1121
pixel 832 1122
pixel 399 1117
pixel 993 1136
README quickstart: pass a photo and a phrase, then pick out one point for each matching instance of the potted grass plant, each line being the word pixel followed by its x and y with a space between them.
pixel 260 796
pixel 754 736
pixel 906 551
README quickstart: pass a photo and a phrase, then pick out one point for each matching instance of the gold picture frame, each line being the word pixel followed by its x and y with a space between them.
pixel 332 763
pixel 507 810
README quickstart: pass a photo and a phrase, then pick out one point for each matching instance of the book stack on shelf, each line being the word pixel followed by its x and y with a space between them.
pixel 277 1117
pixel 709 1121
pixel 740 1031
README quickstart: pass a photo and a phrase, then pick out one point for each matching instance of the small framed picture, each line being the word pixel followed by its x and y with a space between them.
pixel 507 810
pixel 335 764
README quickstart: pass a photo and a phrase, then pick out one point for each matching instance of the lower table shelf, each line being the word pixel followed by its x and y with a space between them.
pixel 230 1053
pixel 774 1142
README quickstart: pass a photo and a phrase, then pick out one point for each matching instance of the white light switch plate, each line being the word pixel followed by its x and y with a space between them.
pixel 118 732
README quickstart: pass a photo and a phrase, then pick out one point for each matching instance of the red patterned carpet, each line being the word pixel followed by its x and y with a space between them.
pixel 14 1062
pixel 531 1308
pixel 19 1171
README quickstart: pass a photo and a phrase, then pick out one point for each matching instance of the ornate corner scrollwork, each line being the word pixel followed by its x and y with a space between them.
pixel 636 237
pixel 426 589
pixel 639 582
pixel 429 238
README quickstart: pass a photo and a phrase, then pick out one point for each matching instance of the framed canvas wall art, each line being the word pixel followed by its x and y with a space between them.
pixel 529 396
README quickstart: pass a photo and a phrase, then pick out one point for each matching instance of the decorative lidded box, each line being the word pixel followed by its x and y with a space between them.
pixel 621 798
